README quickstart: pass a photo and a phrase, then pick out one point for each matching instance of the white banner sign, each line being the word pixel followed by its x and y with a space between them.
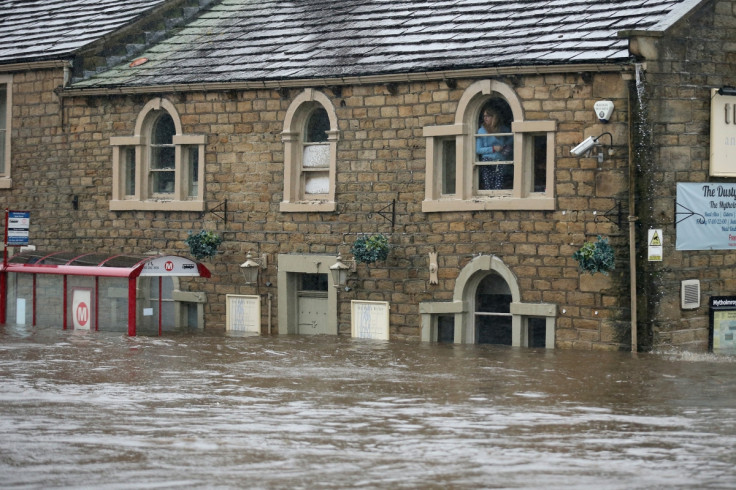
pixel 706 216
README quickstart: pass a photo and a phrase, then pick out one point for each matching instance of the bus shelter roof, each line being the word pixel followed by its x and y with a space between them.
pixel 103 265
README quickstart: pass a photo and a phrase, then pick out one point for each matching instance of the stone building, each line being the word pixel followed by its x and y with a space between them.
pixel 294 129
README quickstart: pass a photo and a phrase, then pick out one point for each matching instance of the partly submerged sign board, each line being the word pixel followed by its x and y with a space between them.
pixel 369 319
pixel 723 324
pixel 243 313
pixel 706 216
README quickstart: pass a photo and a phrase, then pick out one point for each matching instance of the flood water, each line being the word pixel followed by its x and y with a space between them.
pixel 102 410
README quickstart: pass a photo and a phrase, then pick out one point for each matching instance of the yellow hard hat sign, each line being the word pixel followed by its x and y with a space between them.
pixel 655 245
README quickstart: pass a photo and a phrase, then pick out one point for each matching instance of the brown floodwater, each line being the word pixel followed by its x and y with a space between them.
pixel 103 410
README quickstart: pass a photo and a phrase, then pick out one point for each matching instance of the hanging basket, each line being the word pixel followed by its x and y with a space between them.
pixel 369 249
pixel 595 257
pixel 203 244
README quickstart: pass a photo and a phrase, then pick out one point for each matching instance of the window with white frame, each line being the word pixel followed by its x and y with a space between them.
pixel 158 167
pixel 491 157
pixel 6 87
pixel 310 145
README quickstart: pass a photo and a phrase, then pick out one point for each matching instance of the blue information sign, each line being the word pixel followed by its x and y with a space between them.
pixel 18 224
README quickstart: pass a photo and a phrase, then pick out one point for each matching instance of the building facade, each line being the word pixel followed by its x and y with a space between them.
pixel 294 170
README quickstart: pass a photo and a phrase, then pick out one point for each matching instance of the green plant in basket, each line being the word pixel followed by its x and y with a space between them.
pixel 369 249
pixel 203 244
pixel 595 257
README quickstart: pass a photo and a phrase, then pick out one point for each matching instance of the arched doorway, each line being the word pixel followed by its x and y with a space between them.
pixel 487 308
pixel 493 320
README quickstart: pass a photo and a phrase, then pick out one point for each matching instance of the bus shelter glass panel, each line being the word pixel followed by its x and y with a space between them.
pixel 113 302
pixel 49 298
pixel 20 299
pixel 148 305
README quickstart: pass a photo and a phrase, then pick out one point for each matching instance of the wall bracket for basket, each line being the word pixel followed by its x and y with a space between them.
pixel 220 211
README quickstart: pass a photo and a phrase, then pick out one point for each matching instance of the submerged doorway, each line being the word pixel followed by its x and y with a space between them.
pixel 312 299
pixel 307 303
pixel 493 311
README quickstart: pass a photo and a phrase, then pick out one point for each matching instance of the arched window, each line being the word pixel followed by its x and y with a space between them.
pixel 310 145
pixel 159 167
pixel 487 308
pixel 491 157
pixel 316 154
pixel 493 311
pixel 163 161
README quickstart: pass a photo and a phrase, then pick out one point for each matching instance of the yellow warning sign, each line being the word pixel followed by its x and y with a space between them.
pixel 655 245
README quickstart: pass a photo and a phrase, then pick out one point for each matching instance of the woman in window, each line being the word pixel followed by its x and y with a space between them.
pixel 497 147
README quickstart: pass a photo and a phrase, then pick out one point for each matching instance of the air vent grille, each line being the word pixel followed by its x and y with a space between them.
pixel 690 294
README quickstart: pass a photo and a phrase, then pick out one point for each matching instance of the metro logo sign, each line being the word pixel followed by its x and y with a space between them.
pixel 170 265
pixel 81 312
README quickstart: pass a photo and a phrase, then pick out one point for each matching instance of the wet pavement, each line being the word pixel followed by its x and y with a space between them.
pixel 102 410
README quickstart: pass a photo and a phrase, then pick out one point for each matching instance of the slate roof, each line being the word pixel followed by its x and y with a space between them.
pixel 35 30
pixel 267 40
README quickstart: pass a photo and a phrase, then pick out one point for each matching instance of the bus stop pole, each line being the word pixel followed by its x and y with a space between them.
pixel 131 306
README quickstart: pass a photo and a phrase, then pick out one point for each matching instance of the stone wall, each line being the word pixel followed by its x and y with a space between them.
pixel 61 150
pixel 697 56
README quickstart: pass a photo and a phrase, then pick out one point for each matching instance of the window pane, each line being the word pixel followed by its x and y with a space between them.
pixel 2 151
pixel 3 134
pixel 316 183
pixel 162 157
pixel 537 332
pixel 498 147
pixel 192 155
pixel 129 159
pixel 162 182
pixel 314 282
pixel 495 177
pixel 493 295
pixel 316 156
pixel 446 328
pixel 449 172
pixel 493 330
pixel 163 130
pixel 539 163
pixel 317 126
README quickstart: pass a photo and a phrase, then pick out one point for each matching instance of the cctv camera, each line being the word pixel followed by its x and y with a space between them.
pixel 583 147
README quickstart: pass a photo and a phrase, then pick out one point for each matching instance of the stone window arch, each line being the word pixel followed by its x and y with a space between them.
pixel 158 167
pixel 310 153
pixel 487 306
pixel 517 174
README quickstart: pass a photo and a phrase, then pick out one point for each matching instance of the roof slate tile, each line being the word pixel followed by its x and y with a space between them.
pixel 269 40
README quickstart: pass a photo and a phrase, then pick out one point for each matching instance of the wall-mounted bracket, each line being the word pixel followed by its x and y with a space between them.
pixel 614 212
pixel 385 213
pixel 220 211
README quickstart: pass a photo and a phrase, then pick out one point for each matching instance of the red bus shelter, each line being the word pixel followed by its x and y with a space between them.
pixel 81 286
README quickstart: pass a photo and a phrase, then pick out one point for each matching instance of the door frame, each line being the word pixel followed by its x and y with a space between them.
pixel 290 267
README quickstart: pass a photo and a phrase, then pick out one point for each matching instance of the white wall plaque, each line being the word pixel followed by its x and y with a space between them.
pixel 243 313
pixel 369 319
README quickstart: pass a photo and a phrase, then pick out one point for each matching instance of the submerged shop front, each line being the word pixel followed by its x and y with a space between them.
pixel 133 293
